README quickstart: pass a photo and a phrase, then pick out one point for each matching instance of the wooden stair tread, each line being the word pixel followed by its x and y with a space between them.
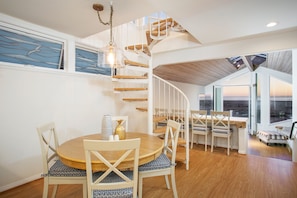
pixel 162 27
pixel 130 89
pixel 163 21
pixel 129 77
pixel 136 47
pixel 169 20
pixel 133 63
pixel 159 118
pixel 141 108
pixel 156 32
pixel 139 47
pixel 135 99
pixel 160 130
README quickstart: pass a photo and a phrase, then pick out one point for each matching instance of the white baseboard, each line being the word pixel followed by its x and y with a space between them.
pixel 20 182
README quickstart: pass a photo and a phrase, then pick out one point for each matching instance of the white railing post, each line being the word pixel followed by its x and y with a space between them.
pixel 177 105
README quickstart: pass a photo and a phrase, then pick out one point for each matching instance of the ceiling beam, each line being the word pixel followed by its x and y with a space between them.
pixel 248 62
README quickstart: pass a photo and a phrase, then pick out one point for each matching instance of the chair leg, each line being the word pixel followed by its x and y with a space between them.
pixel 230 139
pixel 45 187
pixel 85 193
pixel 205 142
pixel 228 146
pixel 167 182
pixel 211 146
pixel 140 187
pixel 192 140
pixel 173 184
pixel 55 191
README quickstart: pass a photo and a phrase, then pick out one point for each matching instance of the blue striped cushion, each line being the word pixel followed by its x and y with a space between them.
pixel 112 177
pixel 161 162
pixel 58 169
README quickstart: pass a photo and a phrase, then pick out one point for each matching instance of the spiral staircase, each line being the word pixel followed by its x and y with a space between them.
pixel 136 77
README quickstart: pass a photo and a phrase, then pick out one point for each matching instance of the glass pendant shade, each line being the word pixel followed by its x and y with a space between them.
pixel 113 56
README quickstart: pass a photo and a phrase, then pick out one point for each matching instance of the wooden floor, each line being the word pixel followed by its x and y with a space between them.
pixel 210 175
pixel 278 151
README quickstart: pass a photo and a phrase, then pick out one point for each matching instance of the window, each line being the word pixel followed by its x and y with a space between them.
pixel 89 61
pixel 206 102
pixel 237 100
pixel 280 100
pixel 28 49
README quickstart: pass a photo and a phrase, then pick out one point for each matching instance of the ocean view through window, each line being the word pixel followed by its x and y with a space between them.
pixel 280 101
pixel 235 99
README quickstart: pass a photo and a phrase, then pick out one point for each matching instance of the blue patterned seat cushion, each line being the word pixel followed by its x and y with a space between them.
pixel 112 177
pixel 161 162
pixel 58 169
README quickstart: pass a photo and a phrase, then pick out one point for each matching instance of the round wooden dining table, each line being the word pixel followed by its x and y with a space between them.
pixel 72 154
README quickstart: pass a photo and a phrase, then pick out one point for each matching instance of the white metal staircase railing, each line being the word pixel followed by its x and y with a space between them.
pixel 158 28
pixel 169 100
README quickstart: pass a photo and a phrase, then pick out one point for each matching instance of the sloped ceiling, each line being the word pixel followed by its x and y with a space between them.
pixel 205 72
pixel 198 73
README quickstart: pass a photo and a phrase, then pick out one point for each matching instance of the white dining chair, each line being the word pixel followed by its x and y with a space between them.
pixel 165 163
pixel 199 126
pixel 112 182
pixel 220 127
pixel 54 171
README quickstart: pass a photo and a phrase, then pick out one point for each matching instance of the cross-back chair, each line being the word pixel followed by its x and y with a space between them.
pixel 165 163
pixel 113 182
pixel 220 123
pixel 199 126
pixel 54 171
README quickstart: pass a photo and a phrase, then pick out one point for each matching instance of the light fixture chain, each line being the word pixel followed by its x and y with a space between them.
pixel 110 23
pixel 104 23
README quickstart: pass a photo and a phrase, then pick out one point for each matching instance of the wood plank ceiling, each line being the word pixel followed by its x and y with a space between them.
pixel 205 72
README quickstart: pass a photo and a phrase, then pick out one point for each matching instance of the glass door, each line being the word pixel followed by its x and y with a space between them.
pixel 234 98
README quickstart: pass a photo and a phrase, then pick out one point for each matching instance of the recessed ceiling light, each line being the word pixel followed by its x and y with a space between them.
pixel 271 24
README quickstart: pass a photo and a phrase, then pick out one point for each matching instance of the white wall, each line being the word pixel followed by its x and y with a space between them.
pixel 31 97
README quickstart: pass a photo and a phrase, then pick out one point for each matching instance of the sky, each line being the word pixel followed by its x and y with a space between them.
pixel 278 88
